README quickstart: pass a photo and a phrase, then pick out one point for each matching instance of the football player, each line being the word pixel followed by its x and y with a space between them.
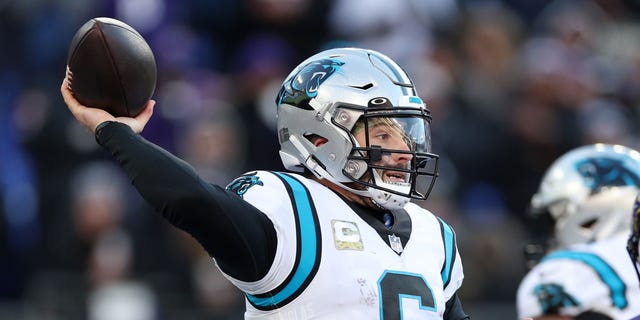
pixel 336 237
pixel 585 273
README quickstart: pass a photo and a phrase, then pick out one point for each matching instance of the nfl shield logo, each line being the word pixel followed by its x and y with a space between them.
pixel 395 243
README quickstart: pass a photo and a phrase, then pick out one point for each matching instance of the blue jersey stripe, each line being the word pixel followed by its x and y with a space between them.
pixel 448 238
pixel 308 231
pixel 608 276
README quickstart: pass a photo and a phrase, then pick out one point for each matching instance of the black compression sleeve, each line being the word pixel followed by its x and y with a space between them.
pixel 454 310
pixel 239 236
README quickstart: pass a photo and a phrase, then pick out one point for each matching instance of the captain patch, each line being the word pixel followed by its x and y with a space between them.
pixel 346 235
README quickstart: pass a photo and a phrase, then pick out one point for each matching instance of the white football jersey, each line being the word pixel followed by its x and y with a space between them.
pixel 597 277
pixel 330 264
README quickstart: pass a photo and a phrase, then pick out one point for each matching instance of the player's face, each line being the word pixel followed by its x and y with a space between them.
pixel 388 135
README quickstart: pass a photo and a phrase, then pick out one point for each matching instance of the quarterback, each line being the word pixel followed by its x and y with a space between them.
pixel 335 237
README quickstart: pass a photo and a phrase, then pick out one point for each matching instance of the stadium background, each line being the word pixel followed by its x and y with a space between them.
pixel 511 84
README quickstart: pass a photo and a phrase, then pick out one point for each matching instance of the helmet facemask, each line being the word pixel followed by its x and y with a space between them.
pixel 391 156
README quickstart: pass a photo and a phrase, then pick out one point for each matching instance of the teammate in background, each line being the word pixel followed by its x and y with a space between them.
pixel 340 239
pixel 587 195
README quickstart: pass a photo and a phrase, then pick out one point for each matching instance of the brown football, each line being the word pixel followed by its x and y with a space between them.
pixel 112 67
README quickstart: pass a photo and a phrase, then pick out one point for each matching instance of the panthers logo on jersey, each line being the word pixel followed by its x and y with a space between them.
pixel 606 172
pixel 304 85
pixel 552 297
pixel 242 184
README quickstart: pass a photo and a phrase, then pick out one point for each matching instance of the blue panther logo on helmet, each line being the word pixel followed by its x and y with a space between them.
pixel 599 173
pixel 304 85
pixel 242 184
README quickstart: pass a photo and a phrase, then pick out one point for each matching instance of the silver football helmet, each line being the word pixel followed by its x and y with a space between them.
pixel 355 101
pixel 588 193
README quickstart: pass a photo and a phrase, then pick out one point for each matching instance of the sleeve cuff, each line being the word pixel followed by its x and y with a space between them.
pixel 106 130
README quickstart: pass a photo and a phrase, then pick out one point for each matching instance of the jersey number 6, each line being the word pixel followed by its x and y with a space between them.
pixel 395 286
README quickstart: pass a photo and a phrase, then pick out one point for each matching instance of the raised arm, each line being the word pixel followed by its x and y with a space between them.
pixel 239 236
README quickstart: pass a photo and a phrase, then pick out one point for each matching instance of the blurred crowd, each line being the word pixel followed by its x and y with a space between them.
pixel 511 86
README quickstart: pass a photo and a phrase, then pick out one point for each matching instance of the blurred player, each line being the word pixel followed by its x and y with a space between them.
pixel 340 239
pixel 587 195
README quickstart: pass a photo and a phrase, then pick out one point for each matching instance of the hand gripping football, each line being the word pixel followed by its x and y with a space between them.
pixel 112 67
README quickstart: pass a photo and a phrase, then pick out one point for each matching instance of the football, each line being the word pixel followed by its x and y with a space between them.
pixel 111 67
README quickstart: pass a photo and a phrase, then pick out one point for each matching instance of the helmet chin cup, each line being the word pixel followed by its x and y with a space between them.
pixel 388 200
